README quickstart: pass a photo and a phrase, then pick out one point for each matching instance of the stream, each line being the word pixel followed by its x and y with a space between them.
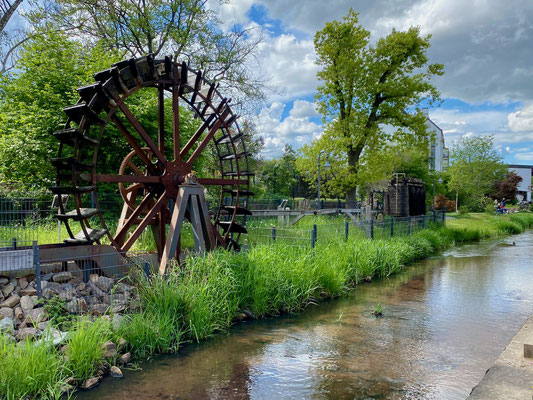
pixel 446 320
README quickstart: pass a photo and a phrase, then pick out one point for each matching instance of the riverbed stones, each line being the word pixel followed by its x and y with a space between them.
pixel 124 359
pixel 105 284
pixel 29 291
pixel 11 301
pixel 23 283
pixel 3 280
pixel 109 349
pixel 115 372
pixel 36 315
pixel 90 383
pixel 6 325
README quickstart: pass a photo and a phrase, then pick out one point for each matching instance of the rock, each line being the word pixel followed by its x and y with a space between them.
pixel 49 293
pixel 26 333
pixel 82 306
pixel 7 289
pixel 6 325
pixel 109 349
pixel 82 286
pixel 102 370
pixel 6 312
pixel 122 343
pixel 368 278
pixel 95 289
pixel 11 301
pixel 249 314
pixel 55 336
pixel 90 383
pixel 64 349
pixel 47 277
pixel 4 281
pixel 23 283
pixel 36 315
pixel 124 359
pixel 117 320
pixel 105 283
pixel 29 291
pixel 115 372
pixel 62 277
pixel 93 278
pixel 72 306
pixel 68 294
pixel 27 304
pixel 19 314
pixel 66 388
pixel 43 325
pixel 98 309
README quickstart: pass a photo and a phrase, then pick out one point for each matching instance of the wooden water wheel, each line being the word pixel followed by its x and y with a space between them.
pixel 156 179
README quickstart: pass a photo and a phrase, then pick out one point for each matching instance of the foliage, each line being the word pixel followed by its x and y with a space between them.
pixel 29 370
pixel 32 99
pixel 57 313
pixel 507 188
pixel 84 351
pixel 476 166
pixel 182 29
pixel 364 87
pixel 442 201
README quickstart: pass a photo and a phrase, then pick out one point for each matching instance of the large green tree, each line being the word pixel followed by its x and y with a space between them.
pixel 366 87
pixel 476 166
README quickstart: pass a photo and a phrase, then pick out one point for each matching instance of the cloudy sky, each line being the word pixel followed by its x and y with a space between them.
pixel 485 46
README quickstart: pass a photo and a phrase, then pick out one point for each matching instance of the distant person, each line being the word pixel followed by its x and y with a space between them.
pixel 503 202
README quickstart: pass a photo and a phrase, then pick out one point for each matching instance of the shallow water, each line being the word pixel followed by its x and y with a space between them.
pixel 446 320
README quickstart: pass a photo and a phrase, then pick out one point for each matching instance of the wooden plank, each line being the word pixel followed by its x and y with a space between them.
pixel 194 138
pixel 174 229
pixel 200 148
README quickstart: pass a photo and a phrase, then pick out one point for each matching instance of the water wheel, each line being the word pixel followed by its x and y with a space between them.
pixel 156 180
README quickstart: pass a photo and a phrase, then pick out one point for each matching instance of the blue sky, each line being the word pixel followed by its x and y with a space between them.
pixel 485 46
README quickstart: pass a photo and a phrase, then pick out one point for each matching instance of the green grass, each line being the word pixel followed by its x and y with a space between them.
pixel 207 294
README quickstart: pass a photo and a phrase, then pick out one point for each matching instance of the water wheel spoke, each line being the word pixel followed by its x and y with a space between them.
pixel 126 178
pixel 194 138
pixel 141 131
pixel 120 235
pixel 200 148
pixel 220 181
pixel 161 116
pixel 145 222
pixel 135 168
pixel 133 143
pixel 135 186
pixel 176 115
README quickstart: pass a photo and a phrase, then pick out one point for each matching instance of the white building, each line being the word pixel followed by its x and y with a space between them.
pixel 524 187
pixel 439 158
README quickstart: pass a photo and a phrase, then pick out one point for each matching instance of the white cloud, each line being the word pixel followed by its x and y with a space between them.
pixel 296 129
pixel 232 12
pixel 524 156
pixel 521 120
pixel 303 109
pixel 290 65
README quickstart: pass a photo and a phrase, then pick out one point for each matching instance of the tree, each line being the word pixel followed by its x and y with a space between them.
pixel 475 167
pixel 368 86
pixel 6 12
pixel 182 29
pixel 507 188
pixel 279 176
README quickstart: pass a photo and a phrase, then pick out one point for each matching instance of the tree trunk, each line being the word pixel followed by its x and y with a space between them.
pixel 7 9
pixel 353 163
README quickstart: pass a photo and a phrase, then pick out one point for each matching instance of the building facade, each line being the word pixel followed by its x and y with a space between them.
pixel 439 156
pixel 524 187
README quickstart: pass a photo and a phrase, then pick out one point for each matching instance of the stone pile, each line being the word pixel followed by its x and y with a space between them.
pixel 21 317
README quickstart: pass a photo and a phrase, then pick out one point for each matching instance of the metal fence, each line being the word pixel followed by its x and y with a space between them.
pixel 372 228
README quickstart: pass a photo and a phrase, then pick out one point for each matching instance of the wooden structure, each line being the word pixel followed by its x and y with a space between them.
pixel 405 197
pixel 156 179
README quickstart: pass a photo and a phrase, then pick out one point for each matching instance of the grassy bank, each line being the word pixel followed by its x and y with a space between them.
pixel 212 292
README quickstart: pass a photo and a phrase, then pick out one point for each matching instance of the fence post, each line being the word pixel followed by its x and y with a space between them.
pixel 274 233
pixel 338 203
pixel 321 204
pixel 313 236
pixel 147 269
pixel 408 225
pixel 346 228
pixel 423 221
pixel 434 215
pixel 37 264
pixel 444 215
pixel 14 243
pixel 371 229
pixel 391 226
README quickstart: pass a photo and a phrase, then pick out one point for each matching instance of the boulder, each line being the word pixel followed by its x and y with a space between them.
pixel 82 306
pixel 105 283
pixel 6 325
pixel 115 372
pixel 55 336
pixel 7 289
pixel 36 315
pixel 11 301
pixel 90 383
pixel 95 289
pixel 26 333
pixel 47 277
pixel 29 291
pixel 3 280
pixel 72 306
pixel 98 309
pixel 6 312
pixel 109 349
pixel 26 303
pixel 124 359
pixel 23 283
pixel 122 343
pixel 69 294
pixel 19 314
pixel 43 325
pixel 62 277
pixel 93 278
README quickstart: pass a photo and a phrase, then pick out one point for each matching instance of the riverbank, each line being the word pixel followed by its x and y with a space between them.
pixel 216 290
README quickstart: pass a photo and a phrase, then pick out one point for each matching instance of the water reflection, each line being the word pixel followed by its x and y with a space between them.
pixel 446 321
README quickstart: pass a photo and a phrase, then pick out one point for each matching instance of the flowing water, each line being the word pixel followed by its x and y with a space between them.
pixel 446 320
